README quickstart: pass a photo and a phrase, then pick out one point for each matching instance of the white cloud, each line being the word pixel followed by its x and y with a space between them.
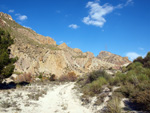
pixel 119 6
pixel 132 55
pixel 21 17
pixel 74 26
pixel 98 12
pixel 17 14
pixel 11 11
pixel 128 2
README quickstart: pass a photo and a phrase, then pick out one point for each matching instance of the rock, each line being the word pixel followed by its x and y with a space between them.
pixel 77 50
pixel 63 46
pixel 7 80
pixel 113 58
pixel 106 89
pixel 6 16
pixel 13 76
pixel 90 54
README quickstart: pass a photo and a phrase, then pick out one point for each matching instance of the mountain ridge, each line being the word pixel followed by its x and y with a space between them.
pixel 40 54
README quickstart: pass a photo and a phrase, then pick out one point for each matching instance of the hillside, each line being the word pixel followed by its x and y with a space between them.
pixel 40 54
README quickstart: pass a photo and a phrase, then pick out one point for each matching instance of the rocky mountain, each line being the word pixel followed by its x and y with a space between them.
pixel 40 54
pixel 113 58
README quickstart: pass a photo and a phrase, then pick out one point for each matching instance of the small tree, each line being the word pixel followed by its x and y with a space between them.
pixel 6 63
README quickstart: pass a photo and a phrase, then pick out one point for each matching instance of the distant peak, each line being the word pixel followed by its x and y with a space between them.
pixel 63 46
pixel 105 53
pixel 77 50
pixel 112 58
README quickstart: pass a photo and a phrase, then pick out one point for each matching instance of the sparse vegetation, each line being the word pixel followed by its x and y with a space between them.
pixel 113 106
pixel 5 104
pixel 135 82
pixel 71 76
pixel 40 76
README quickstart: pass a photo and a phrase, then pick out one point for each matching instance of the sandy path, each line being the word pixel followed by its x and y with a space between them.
pixel 61 99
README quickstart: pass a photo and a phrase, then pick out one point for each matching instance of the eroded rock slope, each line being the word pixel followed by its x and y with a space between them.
pixel 40 54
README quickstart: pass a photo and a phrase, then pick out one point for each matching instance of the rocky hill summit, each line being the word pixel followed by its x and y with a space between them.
pixel 113 58
pixel 40 54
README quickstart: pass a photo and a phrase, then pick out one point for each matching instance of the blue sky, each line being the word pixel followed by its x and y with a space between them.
pixel 118 26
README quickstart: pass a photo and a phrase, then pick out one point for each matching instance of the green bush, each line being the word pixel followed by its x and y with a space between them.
pixel 6 63
pixel 135 82
pixel 95 75
pixel 95 87
pixel 8 70
pixel 118 79
pixel 123 69
pixel 134 65
pixel 127 89
pixel 115 81
pixel 142 86
pixel 147 72
pixel 139 59
pixel 40 76
pixel 142 77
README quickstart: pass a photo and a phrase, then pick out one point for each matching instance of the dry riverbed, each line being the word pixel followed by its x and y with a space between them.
pixel 48 98
pixel 42 98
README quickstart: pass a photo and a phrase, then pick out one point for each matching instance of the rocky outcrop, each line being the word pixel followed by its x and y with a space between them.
pixel 40 54
pixel 77 50
pixel 63 46
pixel 6 16
pixel 113 58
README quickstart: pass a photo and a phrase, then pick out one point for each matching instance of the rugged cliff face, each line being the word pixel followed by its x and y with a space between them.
pixel 40 54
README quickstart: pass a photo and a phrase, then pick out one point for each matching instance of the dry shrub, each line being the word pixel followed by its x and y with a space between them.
pixel 114 106
pixel 5 104
pixel 63 78
pixel 142 99
pixel 71 76
pixel 52 77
